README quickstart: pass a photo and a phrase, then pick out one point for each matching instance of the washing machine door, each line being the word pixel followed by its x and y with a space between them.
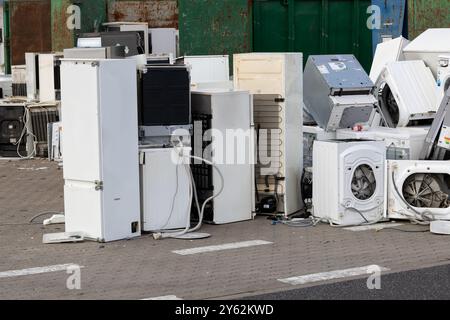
pixel 362 181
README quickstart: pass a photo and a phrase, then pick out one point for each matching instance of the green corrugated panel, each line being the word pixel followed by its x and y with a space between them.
pixel 215 27
pixel 93 14
pixel 313 27
pixel 62 37
pixel 425 14
pixel 6 40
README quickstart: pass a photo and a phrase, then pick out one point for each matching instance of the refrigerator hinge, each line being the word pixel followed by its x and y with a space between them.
pixel 98 185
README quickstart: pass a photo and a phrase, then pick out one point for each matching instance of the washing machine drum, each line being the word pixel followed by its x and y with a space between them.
pixel 418 190
pixel 424 190
pixel 364 183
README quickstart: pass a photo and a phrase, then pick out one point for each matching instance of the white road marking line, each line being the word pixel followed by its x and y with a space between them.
pixel 378 226
pixel 164 298
pixel 39 270
pixel 337 274
pixel 225 246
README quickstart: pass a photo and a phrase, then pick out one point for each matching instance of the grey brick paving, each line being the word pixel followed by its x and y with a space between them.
pixel 143 268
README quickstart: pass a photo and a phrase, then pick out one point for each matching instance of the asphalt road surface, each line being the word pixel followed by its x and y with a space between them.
pixel 422 284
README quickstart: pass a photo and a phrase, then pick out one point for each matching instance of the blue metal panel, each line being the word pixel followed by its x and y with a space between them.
pixel 392 20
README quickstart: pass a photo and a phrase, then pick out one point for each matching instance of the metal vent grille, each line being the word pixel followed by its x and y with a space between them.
pixel 19 89
pixel 268 118
pixel 39 118
pixel 203 173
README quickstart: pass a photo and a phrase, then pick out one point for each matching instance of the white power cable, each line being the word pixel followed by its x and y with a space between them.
pixel 178 234
pixel 22 135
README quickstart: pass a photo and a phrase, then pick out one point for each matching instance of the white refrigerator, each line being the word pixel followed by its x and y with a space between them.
pixel 228 142
pixel 101 164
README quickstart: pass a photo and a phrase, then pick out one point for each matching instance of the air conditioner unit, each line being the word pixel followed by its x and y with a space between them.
pixel 12 138
pixel 276 82
pixel 349 181
pixel 39 116
pixel 419 190
pixel 389 51
pixel 165 185
pixel 338 92
pixel 401 143
pixel 407 94
pixel 223 135
pixel 19 80
pixel 428 46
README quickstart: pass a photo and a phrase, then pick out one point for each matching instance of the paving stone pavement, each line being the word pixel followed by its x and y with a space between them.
pixel 143 268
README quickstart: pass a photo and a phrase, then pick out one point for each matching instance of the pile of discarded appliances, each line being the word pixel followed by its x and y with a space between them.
pixel 155 143
pixel 30 107
pixel 159 144
pixel 376 147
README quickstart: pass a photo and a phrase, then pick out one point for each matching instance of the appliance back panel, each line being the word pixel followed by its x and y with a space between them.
pixel 11 127
pixel 166 97
pixel 40 120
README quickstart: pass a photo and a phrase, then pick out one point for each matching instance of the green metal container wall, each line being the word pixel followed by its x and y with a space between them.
pixel 425 14
pixel 30 29
pixel 7 38
pixel 314 27
pixel 157 13
pixel 215 27
pixel 93 14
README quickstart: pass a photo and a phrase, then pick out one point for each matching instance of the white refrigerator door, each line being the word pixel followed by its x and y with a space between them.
pixel 80 119
pixel 232 111
pixel 119 149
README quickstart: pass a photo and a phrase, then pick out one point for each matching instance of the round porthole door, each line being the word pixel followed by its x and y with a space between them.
pixel 364 184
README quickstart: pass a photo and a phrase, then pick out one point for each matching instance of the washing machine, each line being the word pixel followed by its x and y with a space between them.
pixel 418 190
pixel 407 94
pixel 311 134
pixel 401 143
pixel 349 181
pixel 443 77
